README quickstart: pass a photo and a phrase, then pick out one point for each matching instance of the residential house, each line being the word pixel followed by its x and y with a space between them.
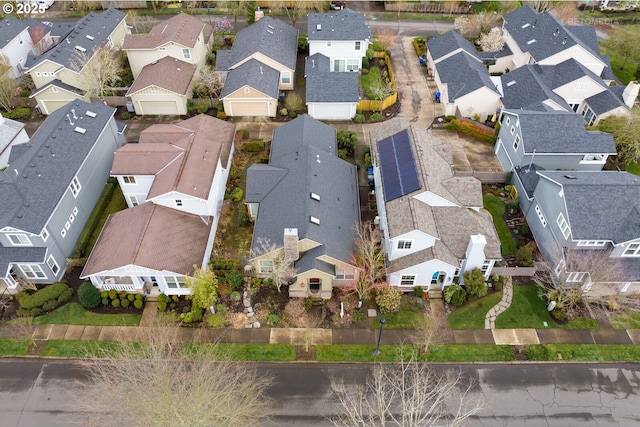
pixel 20 38
pixel 12 133
pixel 462 78
pixel 50 188
pixel 54 72
pixel 305 202
pixel 553 140
pixel 260 64
pixel 163 87
pixel 174 181
pixel 330 95
pixel 585 211
pixel 433 223
pixel 342 36
pixel 184 37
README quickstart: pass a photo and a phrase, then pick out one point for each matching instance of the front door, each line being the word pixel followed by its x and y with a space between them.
pixel 314 285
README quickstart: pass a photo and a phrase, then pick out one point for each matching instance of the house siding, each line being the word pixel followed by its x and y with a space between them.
pixel 577 52
pixel 339 50
pixel 483 102
pixel 273 64
pixel 14 51
pixel 424 273
pixel 578 90
pixel 138 58
pixel 140 189
pixel 420 241
pixel 49 101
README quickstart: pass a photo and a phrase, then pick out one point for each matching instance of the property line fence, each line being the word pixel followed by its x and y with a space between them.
pixel 375 105
pixel 486 177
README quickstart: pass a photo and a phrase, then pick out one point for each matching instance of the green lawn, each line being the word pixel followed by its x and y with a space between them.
pixel 71 348
pixel 74 314
pixel 116 204
pixel 14 347
pixel 472 315
pixel 528 310
pixel 624 75
pixel 583 352
pixel 403 319
pixel 437 353
pixel 372 80
pixel 254 352
pixel 470 353
pixel 630 320
pixel 496 208
pixel 633 167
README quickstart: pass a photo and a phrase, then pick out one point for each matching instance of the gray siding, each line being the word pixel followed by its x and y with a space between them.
pixel 560 162
pixel 550 238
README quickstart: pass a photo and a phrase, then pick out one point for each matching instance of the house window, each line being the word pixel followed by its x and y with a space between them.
pixel 38 74
pixel 44 235
pixel 67 225
pixel 589 116
pixel 485 267
pixel 339 65
pixel 32 271
pixel 593 158
pixel 75 211
pixel 53 265
pixel 246 89
pixel 186 53
pixel 133 200
pixel 408 280
pixel 516 143
pixel 541 216
pixel 285 77
pixel 19 239
pixel 162 49
pixel 253 209
pixel 129 179
pixel 434 278
pixel 632 250
pixel 564 227
pixel 178 202
pixel 63 232
pixel 72 217
pixel 45 74
pixel 508 121
pixel 174 282
pixel 513 130
pixel 592 243
pixel 344 275
pixel 358 45
pixel 353 65
pixel 265 266
pixel 560 267
pixel 75 187
pixel 110 42
pixel 20 39
pixel 405 244
pixel 574 107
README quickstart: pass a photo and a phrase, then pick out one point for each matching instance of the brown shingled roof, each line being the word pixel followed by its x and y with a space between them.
pixel 168 73
pixel 150 236
pixel 182 156
pixel 182 29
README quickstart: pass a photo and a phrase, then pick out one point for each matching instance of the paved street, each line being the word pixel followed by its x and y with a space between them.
pixel 35 393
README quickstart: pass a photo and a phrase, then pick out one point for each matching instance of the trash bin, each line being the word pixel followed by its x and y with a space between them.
pixel 130 108
pixel 421 59
pixel 437 97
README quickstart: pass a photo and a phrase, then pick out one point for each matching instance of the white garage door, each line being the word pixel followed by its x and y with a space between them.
pixel 335 111
pixel 158 108
pixel 51 105
pixel 249 108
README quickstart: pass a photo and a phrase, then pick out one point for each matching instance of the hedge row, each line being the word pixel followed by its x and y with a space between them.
pixel 419 44
pixel 46 299
pixel 469 128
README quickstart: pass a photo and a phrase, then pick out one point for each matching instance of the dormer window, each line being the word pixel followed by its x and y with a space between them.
pixel 358 45
pixel 129 179
pixel 405 244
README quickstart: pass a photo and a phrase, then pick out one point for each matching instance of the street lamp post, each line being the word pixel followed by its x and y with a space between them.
pixel 376 352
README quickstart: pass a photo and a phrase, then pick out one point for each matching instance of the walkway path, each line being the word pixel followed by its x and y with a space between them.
pixel 501 307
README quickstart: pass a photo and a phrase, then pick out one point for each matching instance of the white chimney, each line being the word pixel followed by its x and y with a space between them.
pixel 474 257
pixel 630 94
pixel 291 250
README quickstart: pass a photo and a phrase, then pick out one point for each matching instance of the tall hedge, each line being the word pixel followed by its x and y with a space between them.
pixel 39 298
pixel 88 295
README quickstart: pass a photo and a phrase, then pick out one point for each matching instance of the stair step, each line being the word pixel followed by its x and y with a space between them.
pixel 435 294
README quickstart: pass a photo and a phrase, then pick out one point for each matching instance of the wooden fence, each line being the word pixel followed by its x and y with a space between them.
pixel 374 105
pixel 486 177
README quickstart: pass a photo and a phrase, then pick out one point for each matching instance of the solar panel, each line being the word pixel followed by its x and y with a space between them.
pixel 399 173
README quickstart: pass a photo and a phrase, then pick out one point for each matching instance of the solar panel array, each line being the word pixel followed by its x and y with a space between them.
pixel 399 173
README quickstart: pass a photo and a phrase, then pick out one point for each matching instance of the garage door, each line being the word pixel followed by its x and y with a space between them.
pixel 157 107
pixel 336 111
pixel 250 108
pixel 51 105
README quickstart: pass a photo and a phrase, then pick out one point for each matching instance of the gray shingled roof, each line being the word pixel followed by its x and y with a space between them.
pixel 542 35
pixel 601 205
pixel 343 24
pixel 11 255
pixel 271 37
pixel 565 72
pixel 58 83
pixel 606 100
pixel 505 51
pixel 561 132
pixel 325 86
pixel 528 89
pixel 255 74
pixel 607 72
pixel 98 26
pixel 10 27
pixel 463 75
pixel 305 163
pixel 46 170
pixel 528 177
pixel 450 42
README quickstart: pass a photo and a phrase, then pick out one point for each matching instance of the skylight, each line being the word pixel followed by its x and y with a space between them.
pixel 526 25
pixel 314 220
pixel 511 83
pixel 81 49
pixel 532 41
pixel 315 196
pixel 80 130
pixel 89 37
pixel 91 114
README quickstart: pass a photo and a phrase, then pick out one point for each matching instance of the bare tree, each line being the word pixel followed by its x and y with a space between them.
pixel 97 69
pixel 283 269
pixel 296 8
pixel 368 257
pixel 493 41
pixel 626 134
pixel 158 383
pixel 140 23
pixel 8 85
pixel 475 25
pixel 207 82
pixel 407 394
pixel 429 331
pixel 235 9
pixel 567 13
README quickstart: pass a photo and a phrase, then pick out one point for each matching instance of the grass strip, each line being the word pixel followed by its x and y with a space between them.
pixel 250 352
pixel 392 353
pixel 496 208
pixel 583 352
pixel 74 314
pixel 14 347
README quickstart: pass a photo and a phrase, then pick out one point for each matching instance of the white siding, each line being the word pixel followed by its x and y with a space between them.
pixel 139 190
pixel 339 49
pixel 418 239
pixel 424 273
pixel 332 111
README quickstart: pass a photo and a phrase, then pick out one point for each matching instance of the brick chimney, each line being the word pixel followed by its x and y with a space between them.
pixel 291 251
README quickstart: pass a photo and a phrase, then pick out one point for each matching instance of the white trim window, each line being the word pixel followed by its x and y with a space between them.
pixel 186 53
pixel 592 243
pixel 328 44
pixel 44 235
pixel 485 267
pixel 253 209
pixel 75 186
pixel 407 280
pixel 32 271
pixel 541 216
pixel 405 244
pixel 564 227
pixel 129 179
pixel 19 239
pixel 353 65
pixel 63 233
pixel 175 282
pixel 285 77
pixel 516 142
pixel 632 250
pixel 265 266
pixel 344 274
pixel 53 265
pixel 358 45
pixel 133 200
pixel 513 130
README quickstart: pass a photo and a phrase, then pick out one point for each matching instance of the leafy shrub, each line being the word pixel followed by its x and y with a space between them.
pixel 418 291
pixel 308 304
pixel 283 112
pixel 37 311
pixel 126 115
pixel 342 154
pixel 122 294
pixel 365 64
pixel 474 283
pixel 192 316
pixel 138 304
pixel 378 46
pixel 39 298
pixel 211 58
pixel 235 296
pixel 293 114
pixel 365 70
pixel 138 297
pixel 559 314
pixel 347 140
pixel 358 315
pixel 131 297
pixel 234 279
pixel 252 147
pixel 220 266
pixel 419 44
pixel 125 302
pixel 455 295
pixel 88 295
pixel 293 102
pixel 50 305
pixel 273 319
pixel 216 320
pixel 358 118
pixel 221 115
pixel 162 305
pixel 388 299
pixel 237 194
pixel 113 294
pixel 513 204
pixel 175 298
pixel 104 294
pixel 105 301
pixel 65 296
pixel 303 43
pixel 471 129
pixel 498 283
pixel 115 303
pixel 376 117
pixel 245 133
pixel 18 113
pixel 381 62
pixel 524 256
